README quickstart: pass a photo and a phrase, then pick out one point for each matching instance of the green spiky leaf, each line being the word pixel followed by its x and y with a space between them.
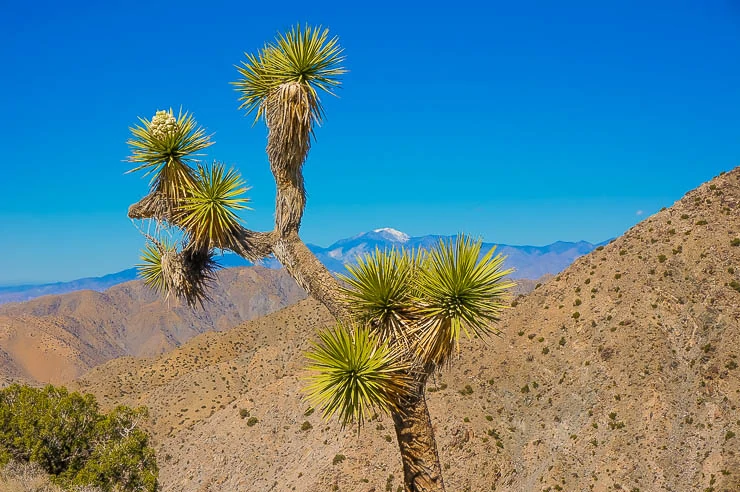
pixel 379 291
pixel 151 268
pixel 208 211
pixel 255 85
pixel 306 56
pixel 163 147
pixel 354 374
pixel 459 292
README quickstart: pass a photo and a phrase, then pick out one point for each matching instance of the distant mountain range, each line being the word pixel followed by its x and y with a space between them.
pixel 530 262
pixel 19 293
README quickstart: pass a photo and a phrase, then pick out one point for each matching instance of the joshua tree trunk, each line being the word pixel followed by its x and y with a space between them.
pixel 421 466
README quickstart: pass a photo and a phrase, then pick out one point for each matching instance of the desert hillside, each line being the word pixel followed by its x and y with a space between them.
pixel 54 339
pixel 57 338
pixel 621 373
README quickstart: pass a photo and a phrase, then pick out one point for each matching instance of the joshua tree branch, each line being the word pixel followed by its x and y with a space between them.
pixel 253 245
pixel 288 118
pixel 287 247
pixel 144 208
pixel 290 201
pixel 311 274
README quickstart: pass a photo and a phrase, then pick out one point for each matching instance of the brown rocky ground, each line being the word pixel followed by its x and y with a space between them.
pixel 619 374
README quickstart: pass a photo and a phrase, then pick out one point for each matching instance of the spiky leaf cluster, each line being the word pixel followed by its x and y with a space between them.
pixel 379 288
pixel 418 302
pixel 163 147
pixel 187 273
pixel 354 374
pixel 458 292
pixel 166 138
pixel 208 209
pixel 304 56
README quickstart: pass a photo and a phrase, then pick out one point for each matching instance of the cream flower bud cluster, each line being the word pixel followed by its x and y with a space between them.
pixel 163 124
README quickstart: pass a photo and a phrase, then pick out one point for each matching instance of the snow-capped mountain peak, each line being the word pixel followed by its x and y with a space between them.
pixel 392 234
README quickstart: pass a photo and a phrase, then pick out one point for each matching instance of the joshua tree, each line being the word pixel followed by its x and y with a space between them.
pixel 400 314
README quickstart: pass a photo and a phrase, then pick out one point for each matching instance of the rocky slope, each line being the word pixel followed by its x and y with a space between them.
pixel 57 338
pixel 54 339
pixel 621 373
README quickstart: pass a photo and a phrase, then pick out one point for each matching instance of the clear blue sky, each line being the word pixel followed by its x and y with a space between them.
pixel 523 122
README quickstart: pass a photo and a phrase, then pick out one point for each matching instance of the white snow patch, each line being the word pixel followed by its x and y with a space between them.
pixel 336 253
pixel 393 234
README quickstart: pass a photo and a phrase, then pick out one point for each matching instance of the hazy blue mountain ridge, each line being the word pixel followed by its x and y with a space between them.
pixel 529 262
pixel 19 293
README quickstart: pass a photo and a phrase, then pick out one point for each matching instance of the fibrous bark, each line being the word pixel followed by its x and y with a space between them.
pixel 288 114
pixel 311 274
pixel 415 435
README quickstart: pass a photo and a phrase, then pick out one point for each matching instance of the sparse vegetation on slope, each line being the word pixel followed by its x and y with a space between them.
pixel 658 352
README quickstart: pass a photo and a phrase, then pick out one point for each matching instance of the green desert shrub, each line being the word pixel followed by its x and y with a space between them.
pixel 67 436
